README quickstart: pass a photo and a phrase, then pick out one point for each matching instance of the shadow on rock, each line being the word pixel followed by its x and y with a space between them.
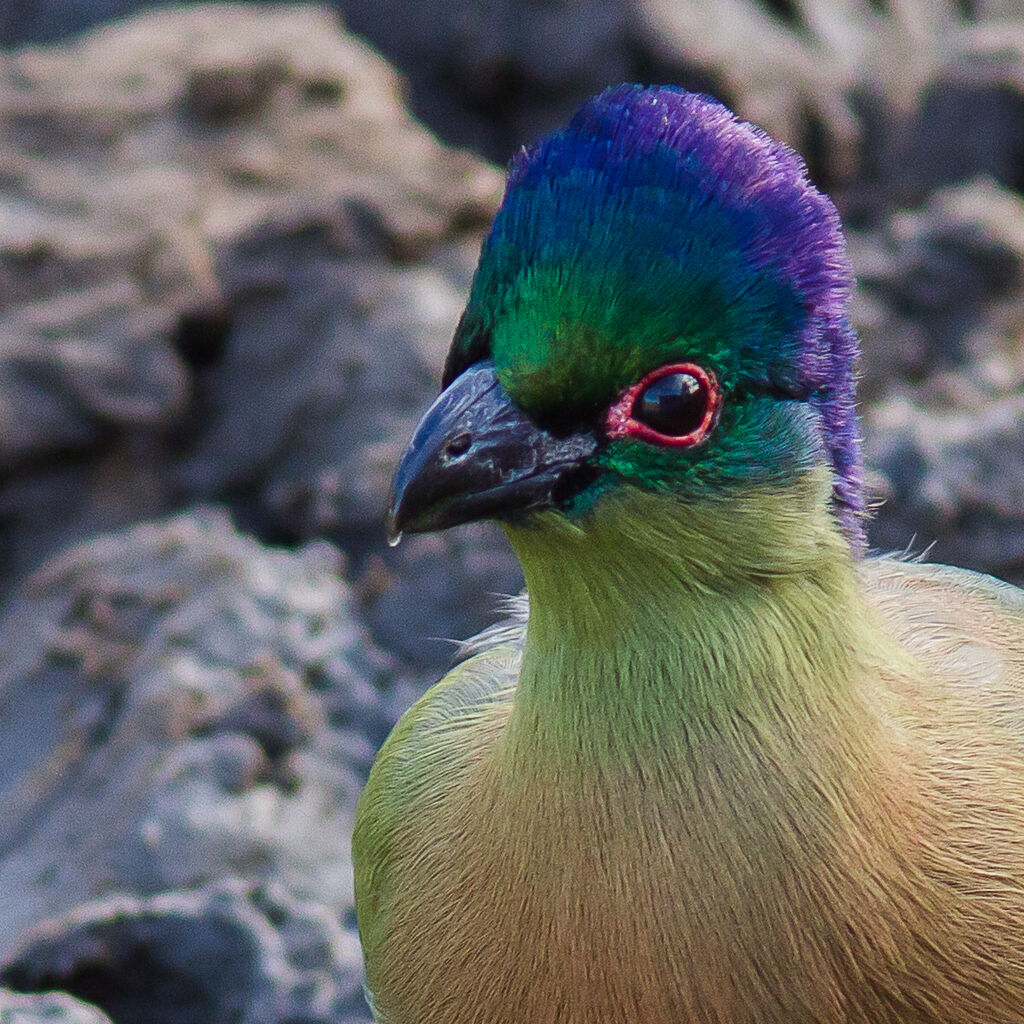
pixel 224 955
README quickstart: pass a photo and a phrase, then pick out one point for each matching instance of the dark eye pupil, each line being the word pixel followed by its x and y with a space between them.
pixel 674 405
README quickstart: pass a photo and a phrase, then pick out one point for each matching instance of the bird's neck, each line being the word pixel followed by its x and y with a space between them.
pixel 703 746
pixel 656 620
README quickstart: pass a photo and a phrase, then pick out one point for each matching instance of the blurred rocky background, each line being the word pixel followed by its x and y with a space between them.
pixel 234 241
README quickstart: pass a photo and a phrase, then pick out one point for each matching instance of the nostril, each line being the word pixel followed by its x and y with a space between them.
pixel 458 445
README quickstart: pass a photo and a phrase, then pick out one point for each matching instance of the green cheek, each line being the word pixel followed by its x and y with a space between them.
pixel 761 442
pixel 584 503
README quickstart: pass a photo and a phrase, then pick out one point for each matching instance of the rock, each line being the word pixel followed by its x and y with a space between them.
pixel 432 592
pixel 164 180
pixel 51 1008
pixel 268 332
pixel 886 100
pixel 230 117
pixel 939 291
pixel 323 383
pixel 227 954
pixel 494 76
pixel 952 483
pixel 80 362
pixel 942 325
pixel 179 705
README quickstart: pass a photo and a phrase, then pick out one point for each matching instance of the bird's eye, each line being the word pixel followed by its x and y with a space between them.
pixel 675 405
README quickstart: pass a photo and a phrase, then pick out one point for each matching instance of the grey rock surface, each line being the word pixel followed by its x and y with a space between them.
pixel 266 333
pixel 166 182
pixel 228 954
pixel 51 1008
pixel 308 413
pixel 232 263
pixel 180 704
pixel 888 99
pixel 941 320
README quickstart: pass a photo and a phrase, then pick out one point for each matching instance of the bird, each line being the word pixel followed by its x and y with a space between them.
pixel 725 764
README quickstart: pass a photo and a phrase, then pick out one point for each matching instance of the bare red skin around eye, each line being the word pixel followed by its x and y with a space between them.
pixel 619 421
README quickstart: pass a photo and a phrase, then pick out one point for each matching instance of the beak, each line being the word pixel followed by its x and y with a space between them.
pixel 475 455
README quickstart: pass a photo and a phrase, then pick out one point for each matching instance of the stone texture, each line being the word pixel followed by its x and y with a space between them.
pixel 51 1008
pixel 228 954
pixel 179 705
pixel 308 413
pixel 942 323
pixel 163 183
pixel 265 335
pixel 888 99
pixel 232 263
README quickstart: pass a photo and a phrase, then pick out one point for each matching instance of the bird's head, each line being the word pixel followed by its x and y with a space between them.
pixel 660 309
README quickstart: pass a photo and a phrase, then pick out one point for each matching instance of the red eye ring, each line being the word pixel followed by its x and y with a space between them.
pixel 620 422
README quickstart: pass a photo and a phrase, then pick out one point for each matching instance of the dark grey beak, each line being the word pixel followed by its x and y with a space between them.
pixel 475 455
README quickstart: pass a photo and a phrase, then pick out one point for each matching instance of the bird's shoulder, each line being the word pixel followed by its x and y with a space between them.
pixel 439 733
pixel 453 716
pixel 965 627
pixel 425 761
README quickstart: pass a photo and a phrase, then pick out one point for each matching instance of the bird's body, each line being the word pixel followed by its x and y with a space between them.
pixel 731 771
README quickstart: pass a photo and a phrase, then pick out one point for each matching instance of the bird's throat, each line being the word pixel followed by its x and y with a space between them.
pixel 655 620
